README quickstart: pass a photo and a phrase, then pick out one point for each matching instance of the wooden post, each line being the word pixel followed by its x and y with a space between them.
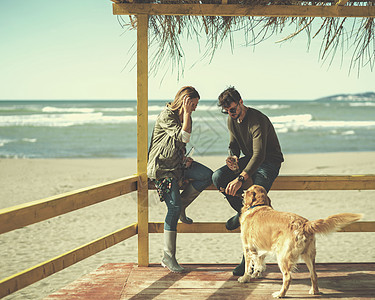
pixel 142 140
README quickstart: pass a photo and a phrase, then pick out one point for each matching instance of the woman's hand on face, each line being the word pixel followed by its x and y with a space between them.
pixel 188 105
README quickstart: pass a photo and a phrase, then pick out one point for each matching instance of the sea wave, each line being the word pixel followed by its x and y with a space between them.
pixel 303 118
pixel 340 124
pixel 282 123
pixel 3 142
pixel 28 140
pixel 362 104
pixel 117 109
pixel 271 106
pixel 66 120
pixel 51 109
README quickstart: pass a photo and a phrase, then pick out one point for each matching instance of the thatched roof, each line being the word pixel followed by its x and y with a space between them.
pixel 339 26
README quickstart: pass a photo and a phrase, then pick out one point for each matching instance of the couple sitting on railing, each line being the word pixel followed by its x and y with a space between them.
pixel 170 167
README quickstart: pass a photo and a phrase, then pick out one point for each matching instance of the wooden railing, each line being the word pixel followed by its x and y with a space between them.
pixel 37 211
pixel 32 212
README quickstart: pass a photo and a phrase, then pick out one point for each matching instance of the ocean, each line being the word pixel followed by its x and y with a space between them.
pixel 107 129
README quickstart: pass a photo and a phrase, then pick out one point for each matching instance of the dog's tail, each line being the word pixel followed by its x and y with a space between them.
pixel 331 223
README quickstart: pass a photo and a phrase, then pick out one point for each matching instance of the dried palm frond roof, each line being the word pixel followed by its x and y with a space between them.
pixel 336 30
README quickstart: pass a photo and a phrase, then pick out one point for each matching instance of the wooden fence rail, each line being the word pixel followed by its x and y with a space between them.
pixel 313 182
pixel 29 276
pixel 33 212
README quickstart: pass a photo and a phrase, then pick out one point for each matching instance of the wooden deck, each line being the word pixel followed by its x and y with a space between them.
pixel 214 281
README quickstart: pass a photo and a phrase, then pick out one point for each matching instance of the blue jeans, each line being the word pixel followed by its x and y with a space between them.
pixel 200 177
pixel 264 176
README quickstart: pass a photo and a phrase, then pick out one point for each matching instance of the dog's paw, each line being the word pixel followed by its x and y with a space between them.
pixel 257 274
pixel 278 295
pixel 315 292
pixel 244 279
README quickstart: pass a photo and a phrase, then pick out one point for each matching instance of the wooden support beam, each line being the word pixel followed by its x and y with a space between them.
pixel 142 137
pixel 233 10
pixel 22 279
pixel 219 227
pixel 33 212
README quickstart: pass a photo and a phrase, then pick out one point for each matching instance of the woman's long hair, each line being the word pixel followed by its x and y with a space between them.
pixel 179 98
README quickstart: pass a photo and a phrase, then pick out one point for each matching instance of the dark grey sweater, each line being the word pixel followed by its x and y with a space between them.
pixel 255 136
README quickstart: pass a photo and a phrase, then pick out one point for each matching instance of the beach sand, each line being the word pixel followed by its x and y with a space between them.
pixel 24 180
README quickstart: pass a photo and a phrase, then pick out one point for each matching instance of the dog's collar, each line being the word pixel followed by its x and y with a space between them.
pixel 255 206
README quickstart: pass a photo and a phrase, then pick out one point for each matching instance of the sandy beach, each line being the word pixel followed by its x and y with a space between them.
pixel 24 180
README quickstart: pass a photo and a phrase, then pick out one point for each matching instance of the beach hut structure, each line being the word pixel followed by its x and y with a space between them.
pixel 125 281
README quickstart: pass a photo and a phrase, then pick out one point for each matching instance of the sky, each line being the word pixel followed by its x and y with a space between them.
pixel 76 50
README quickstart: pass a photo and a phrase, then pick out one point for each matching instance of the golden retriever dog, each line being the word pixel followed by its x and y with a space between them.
pixel 288 235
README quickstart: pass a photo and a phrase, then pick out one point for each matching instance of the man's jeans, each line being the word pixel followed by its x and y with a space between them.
pixel 264 176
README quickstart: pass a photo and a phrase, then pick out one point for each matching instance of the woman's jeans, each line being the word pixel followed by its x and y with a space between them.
pixel 264 176
pixel 200 177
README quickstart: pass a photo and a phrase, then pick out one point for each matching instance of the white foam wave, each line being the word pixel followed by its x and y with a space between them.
pixel 271 106
pixel 304 118
pixel 5 141
pixel 362 104
pixel 29 140
pixel 51 109
pixel 117 109
pixel 158 108
pixel 349 132
pixel 65 120
pixel 205 107
pixel 340 124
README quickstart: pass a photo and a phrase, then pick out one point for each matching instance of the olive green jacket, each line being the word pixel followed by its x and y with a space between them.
pixel 166 152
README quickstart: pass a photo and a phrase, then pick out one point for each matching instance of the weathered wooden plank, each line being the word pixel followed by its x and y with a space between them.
pixel 313 182
pixel 368 226
pixel 142 137
pixel 105 283
pixel 218 227
pixel 22 279
pixel 36 211
pixel 233 10
pixel 325 182
pixel 215 281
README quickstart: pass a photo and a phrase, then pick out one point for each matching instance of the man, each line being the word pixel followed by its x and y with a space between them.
pixel 252 133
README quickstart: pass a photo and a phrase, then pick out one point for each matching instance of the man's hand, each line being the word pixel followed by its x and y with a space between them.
pixel 233 187
pixel 232 163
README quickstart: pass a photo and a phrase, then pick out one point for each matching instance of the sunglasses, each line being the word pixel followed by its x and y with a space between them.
pixel 232 110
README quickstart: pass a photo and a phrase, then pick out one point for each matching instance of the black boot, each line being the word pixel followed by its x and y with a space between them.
pixel 240 269
pixel 233 223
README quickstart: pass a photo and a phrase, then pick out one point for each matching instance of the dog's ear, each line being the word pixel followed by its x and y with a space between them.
pixel 261 195
pixel 249 197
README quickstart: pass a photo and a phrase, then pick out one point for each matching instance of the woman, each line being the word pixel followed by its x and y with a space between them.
pixel 170 168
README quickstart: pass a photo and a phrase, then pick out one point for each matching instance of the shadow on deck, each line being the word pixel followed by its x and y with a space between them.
pixel 215 281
